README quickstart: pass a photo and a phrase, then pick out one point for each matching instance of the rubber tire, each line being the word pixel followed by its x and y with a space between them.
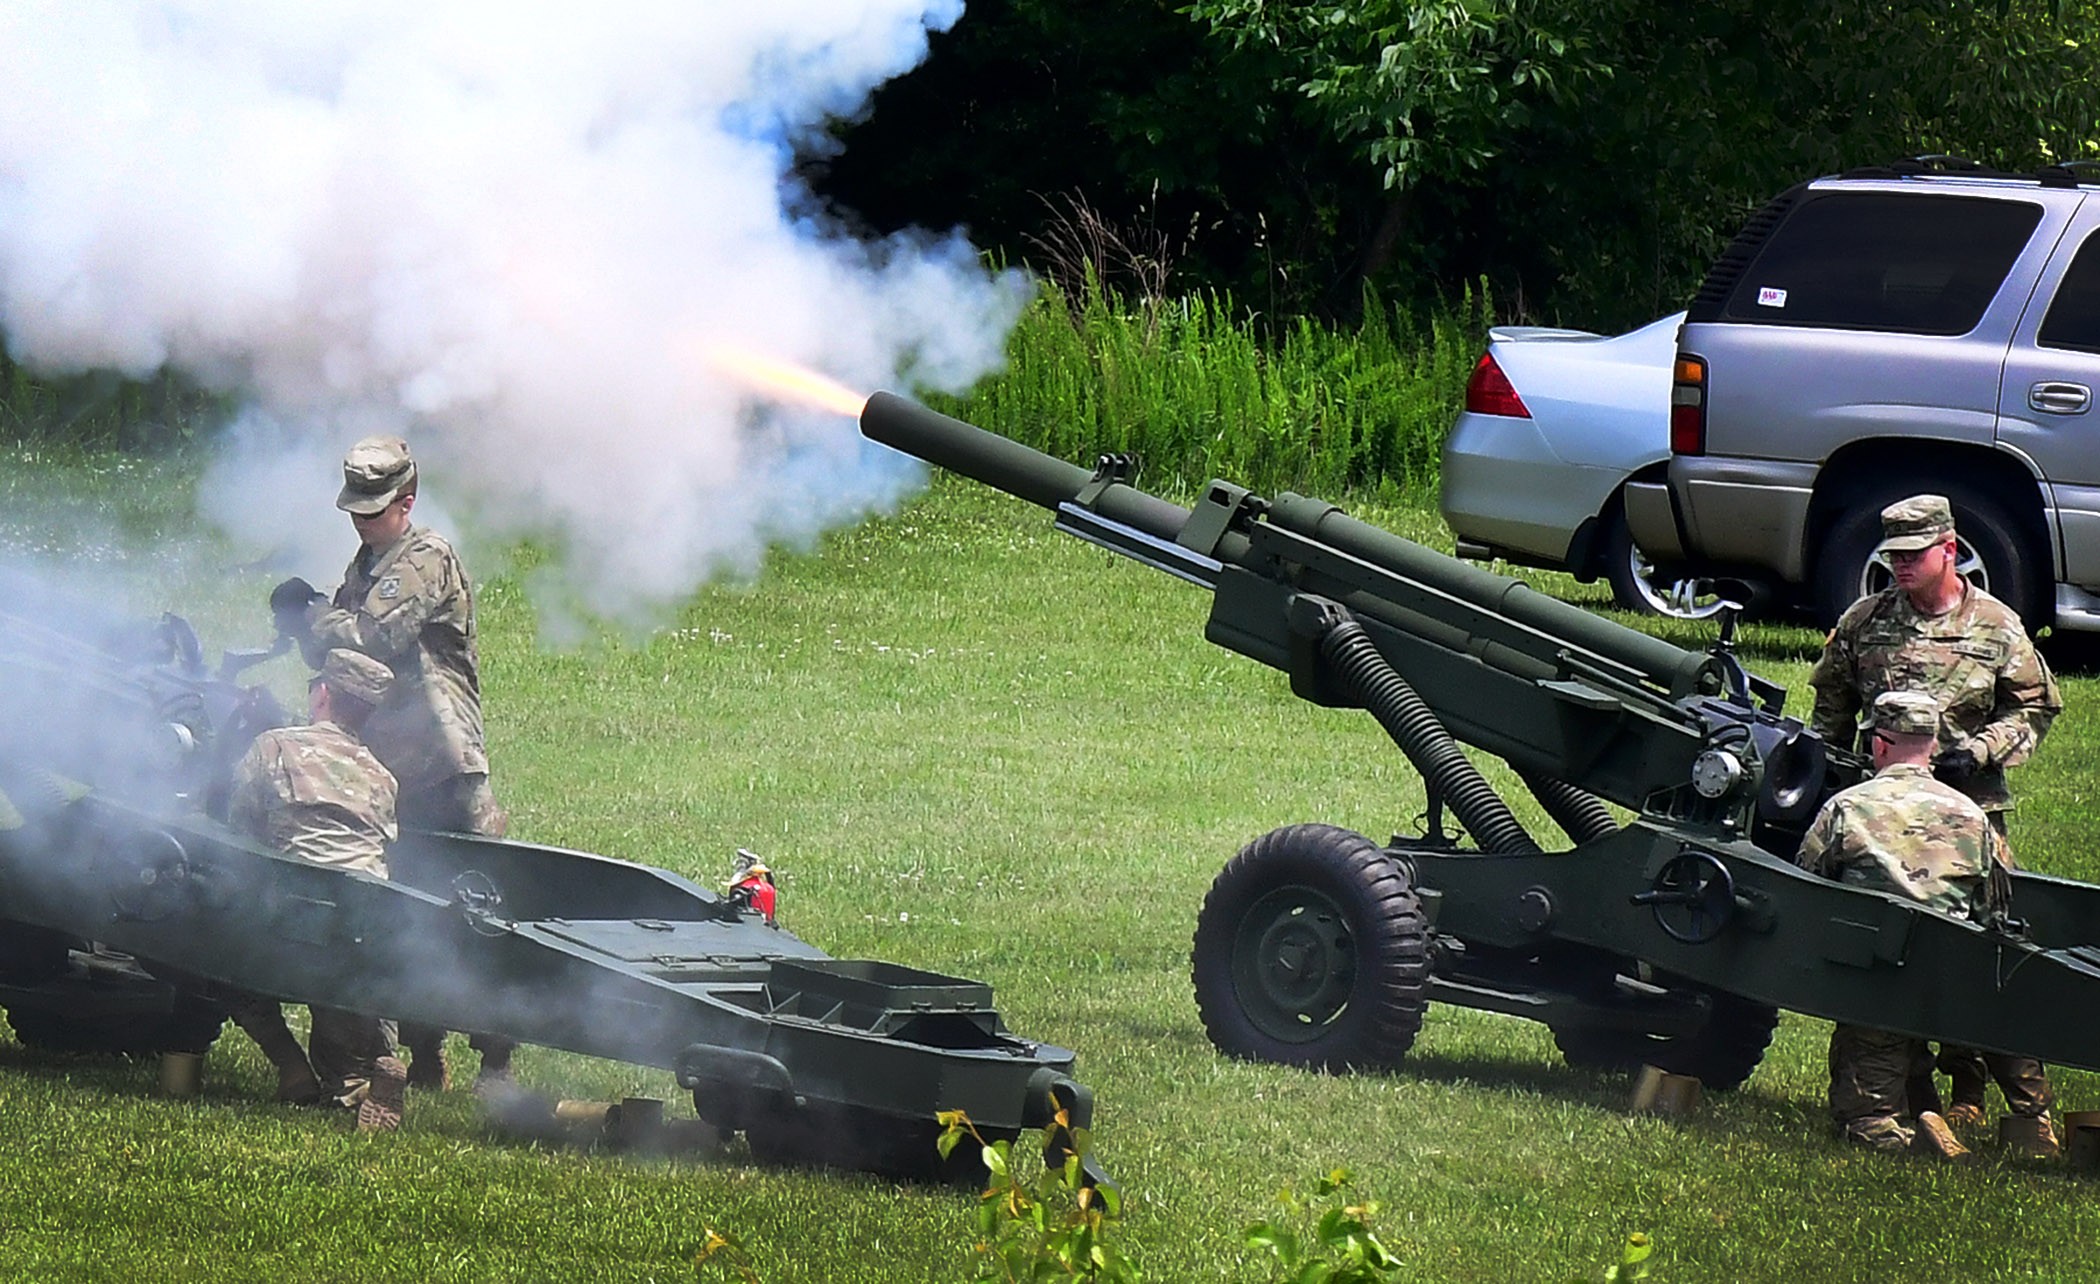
pixel 1724 1053
pixel 1619 573
pixel 2016 575
pixel 1378 923
pixel 192 1026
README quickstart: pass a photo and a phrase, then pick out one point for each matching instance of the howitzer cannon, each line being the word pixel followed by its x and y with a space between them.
pixel 125 908
pixel 1672 938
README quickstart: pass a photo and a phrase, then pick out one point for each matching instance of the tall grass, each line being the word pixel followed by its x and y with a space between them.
pixel 1199 388
pixel 102 410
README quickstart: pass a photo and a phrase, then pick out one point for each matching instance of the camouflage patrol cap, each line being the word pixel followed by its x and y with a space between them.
pixel 1915 523
pixel 375 472
pixel 1906 713
pixel 356 675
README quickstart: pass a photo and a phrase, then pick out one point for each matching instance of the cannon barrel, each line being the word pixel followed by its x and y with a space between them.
pixel 1553 627
pixel 1671 666
pixel 1005 464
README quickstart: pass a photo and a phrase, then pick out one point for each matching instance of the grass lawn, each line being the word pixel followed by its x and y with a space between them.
pixel 969 744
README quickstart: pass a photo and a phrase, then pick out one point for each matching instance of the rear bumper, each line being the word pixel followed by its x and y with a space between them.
pixel 1735 512
pixel 1651 515
pixel 1504 490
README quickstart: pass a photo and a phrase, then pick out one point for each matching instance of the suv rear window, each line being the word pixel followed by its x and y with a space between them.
pixel 1893 261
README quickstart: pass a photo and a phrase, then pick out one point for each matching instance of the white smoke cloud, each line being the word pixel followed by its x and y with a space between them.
pixel 510 230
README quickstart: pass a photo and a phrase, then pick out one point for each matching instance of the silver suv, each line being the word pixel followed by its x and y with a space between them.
pixel 1880 333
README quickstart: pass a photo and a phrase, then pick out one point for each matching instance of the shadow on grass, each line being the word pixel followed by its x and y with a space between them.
pixel 2071 653
pixel 106 1075
pixel 1604 1090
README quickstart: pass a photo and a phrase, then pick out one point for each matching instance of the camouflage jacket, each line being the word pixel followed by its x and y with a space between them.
pixel 411 607
pixel 314 792
pixel 1996 694
pixel 1907 833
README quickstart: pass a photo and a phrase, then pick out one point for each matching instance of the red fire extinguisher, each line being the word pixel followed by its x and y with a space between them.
pixel 751 885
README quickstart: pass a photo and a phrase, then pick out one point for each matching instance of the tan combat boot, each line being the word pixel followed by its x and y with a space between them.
pixel 1964 1115
pixel 2030 1136
pixel 298 1086
pixel 386 1096
pixel 263 1021
pixel 1935 1137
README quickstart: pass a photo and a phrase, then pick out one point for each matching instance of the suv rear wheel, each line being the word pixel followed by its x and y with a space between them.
pixel 1993 553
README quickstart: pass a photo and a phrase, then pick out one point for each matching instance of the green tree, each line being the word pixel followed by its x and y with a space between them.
pixel 1604 150
pixel 1420 87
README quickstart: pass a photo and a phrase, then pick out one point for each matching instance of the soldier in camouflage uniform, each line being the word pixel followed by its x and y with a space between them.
pixel 1934 632
pixel 406 601
pixel 317 793
pixel 1902 832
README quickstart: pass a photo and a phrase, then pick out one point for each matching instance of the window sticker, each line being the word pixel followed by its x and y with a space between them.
pixel 1770 296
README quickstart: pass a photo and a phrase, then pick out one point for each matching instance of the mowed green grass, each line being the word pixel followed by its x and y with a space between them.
pixel 967 743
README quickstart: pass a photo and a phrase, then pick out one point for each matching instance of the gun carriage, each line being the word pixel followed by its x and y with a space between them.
pixel 1670 932
pixel 125 908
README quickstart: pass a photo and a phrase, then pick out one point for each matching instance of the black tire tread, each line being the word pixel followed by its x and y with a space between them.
pixel 1384 1013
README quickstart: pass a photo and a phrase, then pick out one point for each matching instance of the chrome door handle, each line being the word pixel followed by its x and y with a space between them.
pixel 2059 398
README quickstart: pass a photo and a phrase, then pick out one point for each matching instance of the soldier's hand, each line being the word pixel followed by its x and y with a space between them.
pixel 288 603
pixel 293 594
pixel 1957 764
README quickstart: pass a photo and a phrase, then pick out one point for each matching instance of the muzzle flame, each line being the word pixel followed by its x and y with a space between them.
pixel 782 381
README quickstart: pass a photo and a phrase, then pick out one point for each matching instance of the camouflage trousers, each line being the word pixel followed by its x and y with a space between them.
pixel 2023 1080
pixel 1869 1102
pixel 461 804
pixel 343 1048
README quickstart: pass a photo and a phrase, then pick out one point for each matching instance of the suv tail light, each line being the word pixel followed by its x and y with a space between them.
pixel 1687 407
pixel 1489 391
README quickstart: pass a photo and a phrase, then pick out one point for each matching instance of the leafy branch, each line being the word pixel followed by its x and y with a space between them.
pixel 1050 1226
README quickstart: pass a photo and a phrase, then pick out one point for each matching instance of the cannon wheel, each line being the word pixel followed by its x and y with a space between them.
pixel 1311 950
pixel 191 1026
pixel 1721 1055
pixel 861 1141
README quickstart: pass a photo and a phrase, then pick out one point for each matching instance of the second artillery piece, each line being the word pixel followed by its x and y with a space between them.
pixel 1672 938
pixel 128 913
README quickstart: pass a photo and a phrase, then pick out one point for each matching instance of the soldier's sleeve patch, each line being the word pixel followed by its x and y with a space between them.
pixel 389 588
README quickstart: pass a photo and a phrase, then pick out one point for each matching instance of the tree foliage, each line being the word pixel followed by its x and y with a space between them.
pixel 1418 88
pixel 1588 156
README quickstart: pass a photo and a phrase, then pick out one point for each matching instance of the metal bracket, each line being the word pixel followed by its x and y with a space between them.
pixel 1222 507
pixel 1863 944
pixel 1109 470
pixel 479 901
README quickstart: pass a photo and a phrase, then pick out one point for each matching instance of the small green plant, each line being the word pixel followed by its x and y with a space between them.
pixel 1051 1227
pixel 1339 1249
pixel 1633 1260
pixel 722 1256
